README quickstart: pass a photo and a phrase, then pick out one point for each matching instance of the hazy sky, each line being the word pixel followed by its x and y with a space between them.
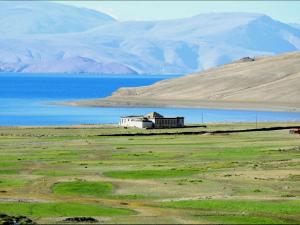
pixel 286 11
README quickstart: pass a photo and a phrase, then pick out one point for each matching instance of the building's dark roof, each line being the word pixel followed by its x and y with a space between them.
pixel 151 115
pixel 154 115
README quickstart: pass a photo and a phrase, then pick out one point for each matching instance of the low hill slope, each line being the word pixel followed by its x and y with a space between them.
pixel 266 83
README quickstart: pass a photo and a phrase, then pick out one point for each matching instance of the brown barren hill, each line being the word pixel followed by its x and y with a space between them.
pixel 267 83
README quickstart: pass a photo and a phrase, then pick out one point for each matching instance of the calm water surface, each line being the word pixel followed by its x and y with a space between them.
pixel 25 98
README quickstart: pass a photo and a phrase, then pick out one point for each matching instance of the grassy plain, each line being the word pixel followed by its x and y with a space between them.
pixel 49 173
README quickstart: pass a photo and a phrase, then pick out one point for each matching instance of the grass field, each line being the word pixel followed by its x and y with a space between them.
pixel 50 173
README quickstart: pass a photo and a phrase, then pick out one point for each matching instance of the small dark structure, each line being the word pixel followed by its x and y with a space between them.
pixel 81 220
pixel 295 131
pixel 247 59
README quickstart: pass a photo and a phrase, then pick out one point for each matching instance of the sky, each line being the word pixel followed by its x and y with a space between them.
pixel 285 11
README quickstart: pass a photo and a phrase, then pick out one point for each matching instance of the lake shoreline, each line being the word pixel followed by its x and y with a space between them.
pixel 115 102
pixel 46 101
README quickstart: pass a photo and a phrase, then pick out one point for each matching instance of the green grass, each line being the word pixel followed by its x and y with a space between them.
pixel 92 189
pixel 132 197
pixel 6 164
pixel 150 174
pixel 250 206
pixel 9 171
pixel 61 209
pixel 55 173
pixel 237 153
pixel 150 155
pixel 51 166
pixel 83 188
pixel 246 219
pixel 7 183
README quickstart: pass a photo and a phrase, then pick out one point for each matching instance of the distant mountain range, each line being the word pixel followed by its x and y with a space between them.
pixel 295 25
pixel 43 37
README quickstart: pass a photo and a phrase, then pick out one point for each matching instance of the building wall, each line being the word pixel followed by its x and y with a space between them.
pixel 168 122
pixel 147 124
pixel 180 121
pixel 135 122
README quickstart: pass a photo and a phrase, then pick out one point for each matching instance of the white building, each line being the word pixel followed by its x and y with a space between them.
pixel 151 120
pixel 135 121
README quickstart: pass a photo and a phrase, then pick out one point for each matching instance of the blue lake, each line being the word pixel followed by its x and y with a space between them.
pixel 25 98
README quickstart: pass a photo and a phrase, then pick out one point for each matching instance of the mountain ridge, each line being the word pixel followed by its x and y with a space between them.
pixel 177 46
pixel 27 18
